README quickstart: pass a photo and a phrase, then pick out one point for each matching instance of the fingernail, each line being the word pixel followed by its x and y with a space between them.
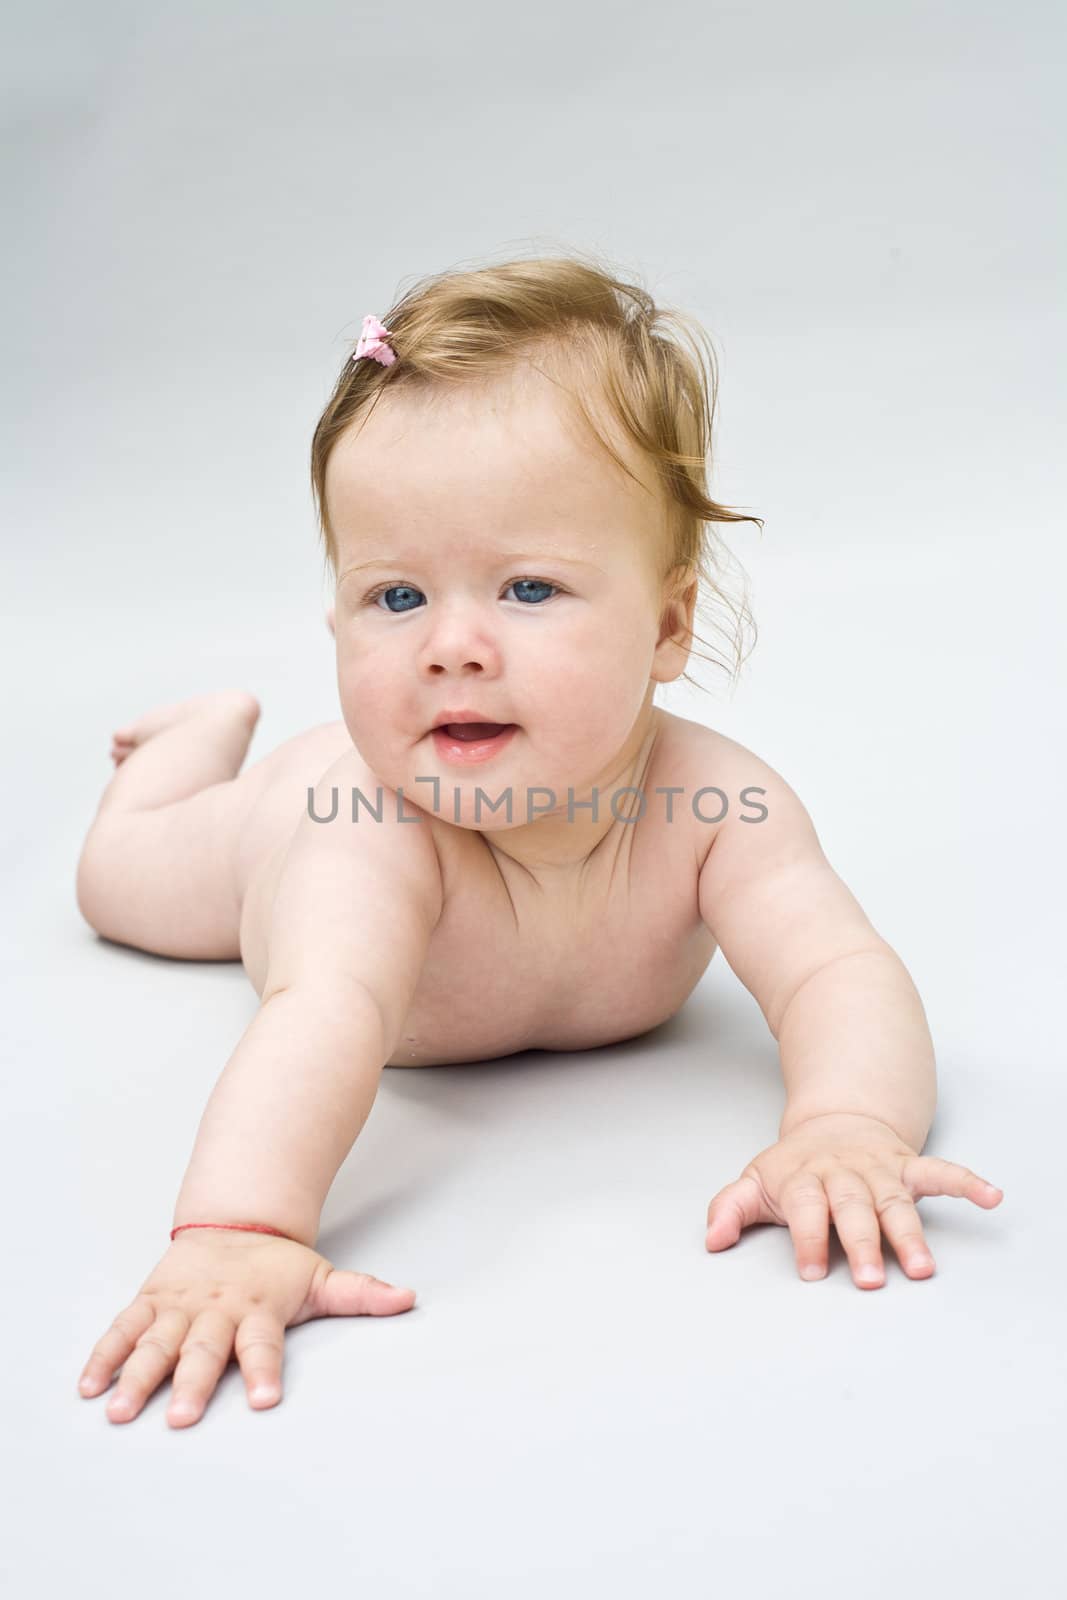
pixel 264 1392
pixel 119 1406
pixel 813 1270
pixel 182 1409
pixel 869 1273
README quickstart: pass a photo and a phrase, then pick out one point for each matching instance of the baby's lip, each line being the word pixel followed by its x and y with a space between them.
pixel 490 730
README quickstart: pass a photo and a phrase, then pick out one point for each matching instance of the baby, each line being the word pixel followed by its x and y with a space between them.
pixel 504 844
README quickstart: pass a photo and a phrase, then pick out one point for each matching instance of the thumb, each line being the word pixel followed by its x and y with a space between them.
pixel 355 1294
pixel 738 1206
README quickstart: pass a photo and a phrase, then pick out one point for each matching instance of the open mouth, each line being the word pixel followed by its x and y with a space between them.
pixel 470 731
pixel 466 742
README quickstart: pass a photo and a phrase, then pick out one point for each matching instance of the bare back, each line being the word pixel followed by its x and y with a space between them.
pixel 615 950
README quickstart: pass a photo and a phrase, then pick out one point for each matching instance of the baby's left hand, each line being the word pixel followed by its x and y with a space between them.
pixel 856 1170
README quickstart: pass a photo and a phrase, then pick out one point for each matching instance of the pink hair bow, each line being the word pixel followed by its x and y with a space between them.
pixel 372 342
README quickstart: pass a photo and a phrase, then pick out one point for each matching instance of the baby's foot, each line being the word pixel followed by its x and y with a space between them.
pixel 233 702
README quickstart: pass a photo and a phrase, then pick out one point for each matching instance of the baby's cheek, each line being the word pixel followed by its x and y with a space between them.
pixel 350 697
pixel 362 709
pixel 589 724
pixel 362 678
pixel 595 690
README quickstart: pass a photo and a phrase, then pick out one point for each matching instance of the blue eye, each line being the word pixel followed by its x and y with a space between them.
pixel 531 583
pixel 408 594
pixel 404 589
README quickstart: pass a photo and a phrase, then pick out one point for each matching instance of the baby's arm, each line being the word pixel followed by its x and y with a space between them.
pixel 850 1026
pixel 856 1053
pixel 355 908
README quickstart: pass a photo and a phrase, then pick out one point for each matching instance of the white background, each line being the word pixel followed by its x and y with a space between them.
pixel 859 203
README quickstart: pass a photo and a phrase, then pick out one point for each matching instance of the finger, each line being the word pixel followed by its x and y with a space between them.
pixel 900 1222
pixel 205 1355
pixel 356 1294
pixel 807 1213
pixel 111 1351
pixel 925 1175
pixel 852 1208
pixel 739 1205
pixel 260 1341
pixel 153 1357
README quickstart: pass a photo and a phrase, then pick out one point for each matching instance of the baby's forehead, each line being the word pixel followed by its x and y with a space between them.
pixel 492 446
pixel 515 411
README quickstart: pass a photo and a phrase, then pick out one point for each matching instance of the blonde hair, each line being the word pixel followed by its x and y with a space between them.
pixel 609 334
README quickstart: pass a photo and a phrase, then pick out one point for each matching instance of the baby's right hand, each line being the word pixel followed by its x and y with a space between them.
pixel 217 1291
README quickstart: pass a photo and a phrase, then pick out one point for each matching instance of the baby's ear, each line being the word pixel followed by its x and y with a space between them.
pixel 676 624
pixel 679 602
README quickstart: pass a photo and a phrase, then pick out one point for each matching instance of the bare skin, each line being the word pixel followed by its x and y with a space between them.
pixel 603 988
pixel 640 983
pixel 605 962
pixel 429 934
pixel 572 942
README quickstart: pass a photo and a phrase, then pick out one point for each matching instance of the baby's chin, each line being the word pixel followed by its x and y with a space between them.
pixel 495 796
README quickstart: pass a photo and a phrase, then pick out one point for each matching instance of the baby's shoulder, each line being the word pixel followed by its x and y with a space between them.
pixel 716 776
pixel 684 745
pixel 728 788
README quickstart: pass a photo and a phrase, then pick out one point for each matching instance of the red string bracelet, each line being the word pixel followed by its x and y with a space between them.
pixel 245 1227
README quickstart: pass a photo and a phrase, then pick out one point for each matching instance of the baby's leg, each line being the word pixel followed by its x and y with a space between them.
pixel 157 869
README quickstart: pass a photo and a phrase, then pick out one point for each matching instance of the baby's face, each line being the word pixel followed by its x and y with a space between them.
pixel 490 560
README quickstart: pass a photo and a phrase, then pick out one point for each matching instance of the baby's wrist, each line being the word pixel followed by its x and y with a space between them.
pixel 200 1219
pixel 231 1227
pixel 814 1120
pixel 252 1198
